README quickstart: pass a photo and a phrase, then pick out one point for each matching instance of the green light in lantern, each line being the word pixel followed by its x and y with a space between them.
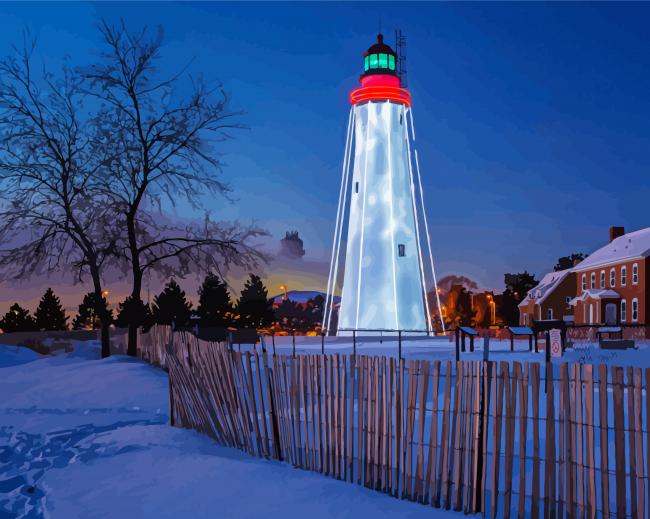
pixel 383 61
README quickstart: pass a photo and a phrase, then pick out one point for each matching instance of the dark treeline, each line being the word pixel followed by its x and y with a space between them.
pixel 216 308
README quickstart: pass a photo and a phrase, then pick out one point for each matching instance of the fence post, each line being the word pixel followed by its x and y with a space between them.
pixel 399 342
pixel 273 342
pixel 322 343
pixel 230 345
pixel 512 340
pixel 293 342
pixel 274 416
pixel 547 354
pixel 354 342
pixel 171 403
pixel 457 345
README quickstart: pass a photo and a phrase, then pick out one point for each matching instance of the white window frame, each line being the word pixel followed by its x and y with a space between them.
pixel 612 278
pixel 584 282
pixel 592 279
pixel 602 279
pixel 623 310
pixel 635 310
pixel 635 274
pixel 623 275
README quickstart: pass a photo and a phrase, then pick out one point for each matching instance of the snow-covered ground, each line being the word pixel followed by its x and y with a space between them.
pixel 88 438
pixel 441 348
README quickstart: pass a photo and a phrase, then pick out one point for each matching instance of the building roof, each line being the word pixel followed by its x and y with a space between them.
pixel 592 293
pixel 631 245
pixel 548 283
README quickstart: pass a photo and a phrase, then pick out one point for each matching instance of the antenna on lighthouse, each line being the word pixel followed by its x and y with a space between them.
pixel 400 48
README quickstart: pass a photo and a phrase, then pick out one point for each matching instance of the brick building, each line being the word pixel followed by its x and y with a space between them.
pixel 549 299
pixel 608 287
pixel 612 282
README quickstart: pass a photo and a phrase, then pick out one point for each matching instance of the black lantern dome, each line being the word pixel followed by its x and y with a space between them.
pixel 379 59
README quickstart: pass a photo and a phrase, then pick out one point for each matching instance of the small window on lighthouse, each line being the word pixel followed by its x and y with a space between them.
pixel 383 61
pixel 401 250
pixel 356 187
pixel 401 119
pixel 391 62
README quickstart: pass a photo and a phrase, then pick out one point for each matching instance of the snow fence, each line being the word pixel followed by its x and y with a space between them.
pixel 503 439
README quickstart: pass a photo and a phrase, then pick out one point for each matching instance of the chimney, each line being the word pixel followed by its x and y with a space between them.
pixel 615 232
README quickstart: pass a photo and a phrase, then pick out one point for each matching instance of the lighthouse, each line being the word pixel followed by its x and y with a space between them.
pixel 381 245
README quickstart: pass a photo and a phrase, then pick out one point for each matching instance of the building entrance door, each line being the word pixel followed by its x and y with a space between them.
pixel 610 314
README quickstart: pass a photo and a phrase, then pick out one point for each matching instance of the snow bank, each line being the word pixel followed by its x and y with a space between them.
pixel 89 438
pixel 16 355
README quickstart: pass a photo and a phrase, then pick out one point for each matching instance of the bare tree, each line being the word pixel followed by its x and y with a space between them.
pixel 52 218
pixel 163 149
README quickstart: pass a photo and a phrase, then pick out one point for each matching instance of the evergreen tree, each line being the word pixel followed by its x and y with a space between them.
pixel 314 309
pixel 215 307
pixel 171 306
pixel 517 286
pixel 50 314
pixel 17 319
pixel 134 312
pixel 290 315
pixel 567 262
pixel 88 318
pixel 254 308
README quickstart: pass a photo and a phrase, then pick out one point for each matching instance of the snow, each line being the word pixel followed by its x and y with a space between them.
pixel 15 355
pixel 441 348
pixel 83 437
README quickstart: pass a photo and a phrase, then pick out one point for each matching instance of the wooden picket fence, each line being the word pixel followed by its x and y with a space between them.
pixel 476 437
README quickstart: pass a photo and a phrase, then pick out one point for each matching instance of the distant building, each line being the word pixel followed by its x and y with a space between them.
pixel 612 282
pixel 608 287
pixel 550 299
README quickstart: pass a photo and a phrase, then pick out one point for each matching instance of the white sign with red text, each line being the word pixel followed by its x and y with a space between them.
pixel 556 342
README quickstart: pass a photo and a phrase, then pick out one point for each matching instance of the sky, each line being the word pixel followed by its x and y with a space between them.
pixel 532 119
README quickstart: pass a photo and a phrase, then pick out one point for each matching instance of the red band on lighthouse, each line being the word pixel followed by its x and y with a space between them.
pixel 380 87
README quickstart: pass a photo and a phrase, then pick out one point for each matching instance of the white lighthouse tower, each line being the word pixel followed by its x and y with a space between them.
pixel 385 271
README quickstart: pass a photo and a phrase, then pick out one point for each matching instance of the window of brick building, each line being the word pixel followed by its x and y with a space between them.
pixel 584 282
pixel 635 274
pixel 593 280
pixel 623 275
pixel 623 310
pixel 635 309
pixel 602 279
pixel 612 278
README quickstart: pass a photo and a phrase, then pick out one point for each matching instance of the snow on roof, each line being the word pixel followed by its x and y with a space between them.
pixel 548 283
pixel 592 293
pixel 631 245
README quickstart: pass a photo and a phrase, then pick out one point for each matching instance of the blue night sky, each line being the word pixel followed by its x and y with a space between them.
pixel 532 120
